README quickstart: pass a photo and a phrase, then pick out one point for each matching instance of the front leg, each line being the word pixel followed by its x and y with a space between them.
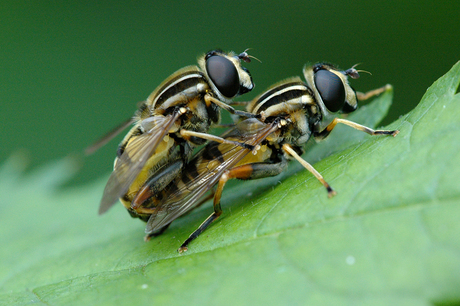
pixel 290 151
pixel 209 99
pixel 362 96
pixel 323 134
pixel 187 134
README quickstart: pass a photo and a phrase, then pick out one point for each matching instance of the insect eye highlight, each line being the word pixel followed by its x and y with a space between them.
pixel 331 89
pixel 223 74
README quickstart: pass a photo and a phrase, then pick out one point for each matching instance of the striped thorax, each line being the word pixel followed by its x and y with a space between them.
pixel 172 120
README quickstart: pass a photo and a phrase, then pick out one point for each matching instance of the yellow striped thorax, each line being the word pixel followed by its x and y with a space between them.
pixel 174 119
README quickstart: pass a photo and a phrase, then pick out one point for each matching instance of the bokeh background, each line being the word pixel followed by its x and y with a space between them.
pixel 70 71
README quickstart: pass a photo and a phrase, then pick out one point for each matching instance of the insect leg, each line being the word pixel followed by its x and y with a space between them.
pixel 289 150
pixel 217 212
pixel 372 93
pixel 209 99
pixel 244 172
pixel 358 127
pixel 261 170
pixel 323 134
pixel 186 134
pixel 241 103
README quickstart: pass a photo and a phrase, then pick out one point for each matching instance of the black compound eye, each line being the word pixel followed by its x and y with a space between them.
pixel 331 89
pixel 224 75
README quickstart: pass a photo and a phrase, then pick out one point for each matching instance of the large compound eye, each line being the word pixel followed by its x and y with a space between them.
pixel 223 74
pixel 331 89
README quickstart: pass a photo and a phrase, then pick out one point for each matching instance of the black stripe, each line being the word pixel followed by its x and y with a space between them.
pixel 213 113
pixel 121 148
pixel 212 152
pixel 179 87
pixel 190 173
pixel 192 170
pixel 186 178
pixel 280 98
pixel 172 188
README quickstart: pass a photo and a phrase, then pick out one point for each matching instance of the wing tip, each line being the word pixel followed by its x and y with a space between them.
pixel 105 205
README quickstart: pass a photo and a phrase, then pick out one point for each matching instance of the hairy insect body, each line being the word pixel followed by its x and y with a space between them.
pixel 172 121
pixel 290 113
pixel 284 118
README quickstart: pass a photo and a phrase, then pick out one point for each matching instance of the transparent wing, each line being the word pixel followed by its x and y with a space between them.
pixel 206 173
pixel 133 159
pixel 109 136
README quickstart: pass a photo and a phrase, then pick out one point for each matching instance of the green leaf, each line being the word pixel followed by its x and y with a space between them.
pixel 390 236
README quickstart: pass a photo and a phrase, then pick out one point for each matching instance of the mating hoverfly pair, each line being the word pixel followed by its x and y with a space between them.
pixel 157 177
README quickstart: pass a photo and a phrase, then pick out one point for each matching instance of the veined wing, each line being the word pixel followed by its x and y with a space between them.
pixel 206 173
pixel 109 136
pixel 133 159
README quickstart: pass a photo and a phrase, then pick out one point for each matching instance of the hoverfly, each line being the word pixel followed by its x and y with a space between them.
pixel 290 113
pixel 174 119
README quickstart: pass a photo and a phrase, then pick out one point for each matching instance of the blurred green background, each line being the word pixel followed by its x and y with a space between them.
pixel 71 71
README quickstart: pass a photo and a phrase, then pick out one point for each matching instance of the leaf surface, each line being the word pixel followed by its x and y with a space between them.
pixel 390 236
